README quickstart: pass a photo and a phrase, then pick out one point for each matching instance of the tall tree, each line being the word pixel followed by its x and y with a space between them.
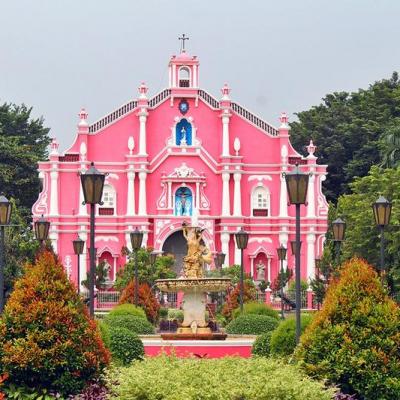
pixel 347 128
pixel 23 142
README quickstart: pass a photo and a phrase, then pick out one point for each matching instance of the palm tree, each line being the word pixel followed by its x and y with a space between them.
pixel 390 146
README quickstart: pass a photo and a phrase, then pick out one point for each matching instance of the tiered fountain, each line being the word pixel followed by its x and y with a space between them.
pixel 195 287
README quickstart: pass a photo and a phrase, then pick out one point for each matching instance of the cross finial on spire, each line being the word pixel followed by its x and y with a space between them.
pixel 183 38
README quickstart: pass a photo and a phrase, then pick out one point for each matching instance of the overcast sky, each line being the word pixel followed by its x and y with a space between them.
pixel 59 55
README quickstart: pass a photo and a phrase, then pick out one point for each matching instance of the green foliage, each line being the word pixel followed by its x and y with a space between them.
pixel 104 330
pixel 257 308
pixel 252 324
pixel 362 235
pixel 354 340
pixel 175 313
pixel 127 309
pixel 47 339
pixel 282 279
pixel 303 285
pixel 347 128
pixel 134 324
pixel 262 345
pixel 163 313
pixel 390 145
pixel 232 272
pixel 233 298
pixel 229 378
pixel 23 142
pixel 283 339
pixel 101 274
pixel 162 268
pixel 125 346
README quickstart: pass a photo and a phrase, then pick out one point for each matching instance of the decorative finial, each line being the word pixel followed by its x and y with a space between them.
pixel 183 38
pixel 82 117
pixel 284 120
pixel 143 91
pixel 311 149
pixel 54 145
pixel 225 92
pixel 236 145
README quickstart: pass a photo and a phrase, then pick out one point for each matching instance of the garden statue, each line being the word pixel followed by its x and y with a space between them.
pixel 260 271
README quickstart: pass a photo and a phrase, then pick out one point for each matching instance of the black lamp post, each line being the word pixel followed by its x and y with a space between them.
pixel 242 238
pixel 339 229
pixel 281 250
pixel 5 217
pixel 42 227
pixel 78 250
pixel 382 210
pixel 297 185
pixel 92 186
pixel 219 260
pixel 136 242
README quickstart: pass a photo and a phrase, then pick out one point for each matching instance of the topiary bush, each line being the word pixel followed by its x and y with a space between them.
pixel 354 340
pixel 228 378
pixel 257 308
pixel 47 340
pixel 261 346
pixel 125 346
pixel 104 333
pixel 134 324
pixel 251 324
pixel 232 299
pixel 128 309
pixel 175 313
pixel 146 299
pixel 283 339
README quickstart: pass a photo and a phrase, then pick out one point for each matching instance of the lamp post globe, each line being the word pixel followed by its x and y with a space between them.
pixel 92 187
pixel 281 250
pixel 219 260
pixel 78 245
pixel 136 242
pixel 297 187
pixel 5 218
pixel 242 238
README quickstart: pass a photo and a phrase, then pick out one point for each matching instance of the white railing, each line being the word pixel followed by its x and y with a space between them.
pixel 249 116
pixel 210 100
pixel 159 98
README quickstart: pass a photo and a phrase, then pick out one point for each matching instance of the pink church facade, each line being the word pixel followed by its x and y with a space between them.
pixel 179 153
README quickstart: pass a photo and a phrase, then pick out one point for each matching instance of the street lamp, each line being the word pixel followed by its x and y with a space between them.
pixel 382 209
pixel 339 229
pixel 136 242
pixel 5 217
pixel 297 185
pixel 219 260
pixel 92 186
pixel 78 250
pixel 281 250
pixel 42 227
pixel 242 238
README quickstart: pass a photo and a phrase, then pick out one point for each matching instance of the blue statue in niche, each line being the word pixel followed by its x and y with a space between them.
pixel 183 202
pixel 183 133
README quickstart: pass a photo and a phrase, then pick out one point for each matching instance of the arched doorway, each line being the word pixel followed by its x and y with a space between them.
pixel 176 244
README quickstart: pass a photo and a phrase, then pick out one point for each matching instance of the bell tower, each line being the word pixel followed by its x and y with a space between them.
pixel 183 69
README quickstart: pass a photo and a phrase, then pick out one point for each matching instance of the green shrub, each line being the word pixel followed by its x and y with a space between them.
pixel 228 378
pixel 354 340
pixel 134 324
pixel 303 286
pixel 125 346
pixel 252 324
pixel 128 309
pixel 163 313
pixel 257 308
pixel 283 339
pixel 104 333
pixel 47 340
pixel 175 313
pixel 261 346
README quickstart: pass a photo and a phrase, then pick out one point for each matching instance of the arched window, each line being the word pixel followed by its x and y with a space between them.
pixel 260 202
pixel 183 202
pixel 184 77
pixel 109 201
pixel 183 133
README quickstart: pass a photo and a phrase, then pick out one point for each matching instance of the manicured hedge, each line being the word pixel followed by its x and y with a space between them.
pixel 229 378
pixel 134 324
pixel 252 324
pixel 262 345
pixel 128 309
pixel 283 339
pixel 125 346
pixel 257 308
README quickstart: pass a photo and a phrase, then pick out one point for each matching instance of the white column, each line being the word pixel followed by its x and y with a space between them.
pixel 142 131
pixel 225 195
pixel 53 236
pixel 197 195
pixel 82 207
pixel 311 197
pixel 238 254
pixel 130 207
pixel 128 238
pixel 237 195
pixel 142 193
pixel 170 76
pixel 194 76
pixel 252 267
pixel 83 257
pixel 225 135
pixel 225 247
pixel 310 255
pixel 283 199
pixel 269 270
pixel 173 75
pixel 54 191
pixel 145 239
pixel 114 268
pixel 169 194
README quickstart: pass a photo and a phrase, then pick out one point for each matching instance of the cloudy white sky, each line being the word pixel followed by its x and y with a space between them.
pixel 276 55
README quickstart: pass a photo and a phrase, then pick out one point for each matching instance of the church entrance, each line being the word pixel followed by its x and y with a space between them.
pixel 176 244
